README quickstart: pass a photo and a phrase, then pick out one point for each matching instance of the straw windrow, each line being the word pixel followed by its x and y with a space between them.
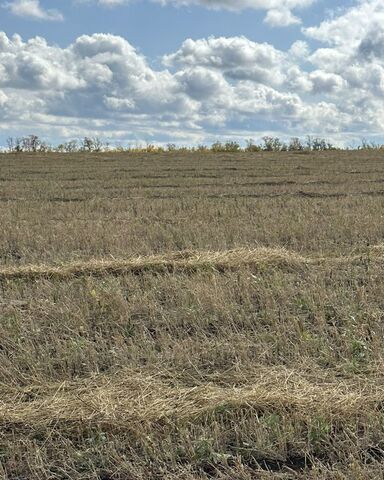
pixel 130 398
pixel 186 261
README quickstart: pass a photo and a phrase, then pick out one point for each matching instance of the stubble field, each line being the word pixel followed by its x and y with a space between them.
pixel 192 316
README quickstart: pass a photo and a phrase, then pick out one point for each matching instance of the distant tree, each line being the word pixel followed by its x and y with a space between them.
pixel 183 148
pixel 319 144
pixel 251 146
pixel 71 146
pixel 119 148
pixel 18 144
pixel 272 144
pixel 45 147
pixel 309 143
pixel 87 145
pixel 369 145
pixel 232 146
pixel 30 143
pixel 97 144
pixel 11 144
pixel 202 148
pixel 217 147
pixel 150 148
pixel 295 145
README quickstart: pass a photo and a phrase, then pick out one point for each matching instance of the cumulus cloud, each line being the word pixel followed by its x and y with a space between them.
pixel 351 66
pixel 281 18
pixel 372 45
pixel 100 84
pixel 299 50
pixel 355 53
pixel 351 26
pixel 33 10
pixel 201 84
pixel 237 57
pixel 323 82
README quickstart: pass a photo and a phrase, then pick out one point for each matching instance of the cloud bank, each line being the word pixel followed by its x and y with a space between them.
pixel 208 88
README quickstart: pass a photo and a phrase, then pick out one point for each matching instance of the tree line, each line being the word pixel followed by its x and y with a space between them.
pixel 33 144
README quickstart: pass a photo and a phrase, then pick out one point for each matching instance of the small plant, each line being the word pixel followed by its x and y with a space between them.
pixel 359 351
pixel 318 433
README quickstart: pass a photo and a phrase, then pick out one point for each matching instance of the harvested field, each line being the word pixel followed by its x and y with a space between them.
pixel 192 316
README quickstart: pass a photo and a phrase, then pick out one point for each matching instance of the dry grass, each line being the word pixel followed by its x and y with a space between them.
pixel 185 317
pixel 131 400
pixel 183 261
pixel 188 262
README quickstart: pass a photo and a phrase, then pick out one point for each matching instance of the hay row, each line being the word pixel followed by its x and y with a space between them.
pixel 186 261
pixel 129 399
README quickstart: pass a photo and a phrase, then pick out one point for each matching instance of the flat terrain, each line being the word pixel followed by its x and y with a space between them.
pixel 192 316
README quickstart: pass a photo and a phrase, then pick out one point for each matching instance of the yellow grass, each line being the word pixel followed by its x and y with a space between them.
pixel 187 261
pixel 130 400
pixel 193 317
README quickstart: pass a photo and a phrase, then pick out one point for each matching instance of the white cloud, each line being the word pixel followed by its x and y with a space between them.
pixel 102 85
pixel 201 84
pixel 323 82
pixel 33 10
pixel 281 18
pixel 351 26
pixel 3 98
pixel 237 57
pixel 243 4
pixel 112 3
pixel 279 12
pixel 299 50
pixel 105 3
pixel 355 53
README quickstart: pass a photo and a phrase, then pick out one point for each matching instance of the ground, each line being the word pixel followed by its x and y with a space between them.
pixel 192 316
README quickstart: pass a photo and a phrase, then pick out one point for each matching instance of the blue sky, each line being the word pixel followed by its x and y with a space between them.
pixel 155 29
pixel 143 71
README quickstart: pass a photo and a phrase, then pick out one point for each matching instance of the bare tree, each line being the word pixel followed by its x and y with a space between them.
pixel 11 144
pixel 92 144
pixel 272 144
pixel 31 144
pixel 295 145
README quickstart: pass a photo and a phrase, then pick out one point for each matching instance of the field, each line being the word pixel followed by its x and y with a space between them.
pixel 192 316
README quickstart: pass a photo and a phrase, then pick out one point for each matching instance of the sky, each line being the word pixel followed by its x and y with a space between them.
pixel 192 71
